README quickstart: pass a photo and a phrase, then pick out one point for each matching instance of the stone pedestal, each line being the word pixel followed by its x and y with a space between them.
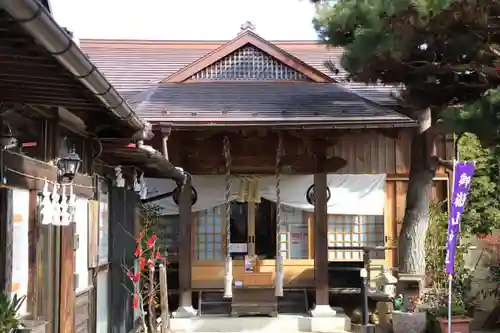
pixel 185 312
pixel 410 284
pixel 403 322
pixel 322 311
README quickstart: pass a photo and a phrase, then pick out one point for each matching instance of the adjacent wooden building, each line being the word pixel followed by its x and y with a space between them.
pixel 59 239
pixel 284 159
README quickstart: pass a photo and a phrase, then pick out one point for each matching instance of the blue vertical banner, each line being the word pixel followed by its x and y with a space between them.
pixel 462 178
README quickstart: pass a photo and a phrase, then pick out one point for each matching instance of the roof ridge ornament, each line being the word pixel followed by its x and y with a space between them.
pixel 248 25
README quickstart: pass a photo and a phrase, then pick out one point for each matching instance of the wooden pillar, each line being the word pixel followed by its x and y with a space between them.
pixel 186 217
pixel 122 206
pixel 320 233
pixel 34 237
pixel 6 231
pixel 67 297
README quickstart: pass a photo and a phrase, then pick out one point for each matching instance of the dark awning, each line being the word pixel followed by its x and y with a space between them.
pixel 145 158
pixel 258 103
pixel 40 64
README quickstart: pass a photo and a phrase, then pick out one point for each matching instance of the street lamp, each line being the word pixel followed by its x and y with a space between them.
pixel 68 166
pixel 7 140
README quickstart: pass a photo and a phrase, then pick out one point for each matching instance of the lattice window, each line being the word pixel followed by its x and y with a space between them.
pixel 167 228
pixel 249 63
pixel 354 231
pixel 208 235
pixel 294 234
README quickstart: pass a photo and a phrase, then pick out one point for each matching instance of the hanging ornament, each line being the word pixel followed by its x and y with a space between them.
pixel 56 207
pixel 137 185
pixel 120 181
pixel 72 204
pixel 64 207
pixel 143 188
pixel 46 209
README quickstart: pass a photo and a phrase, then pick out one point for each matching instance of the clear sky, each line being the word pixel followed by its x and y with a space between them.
pixel 184 19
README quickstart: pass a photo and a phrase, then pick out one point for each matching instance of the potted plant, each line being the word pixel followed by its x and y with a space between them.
pixel 9 318
pixel 460 323
pixel 406 317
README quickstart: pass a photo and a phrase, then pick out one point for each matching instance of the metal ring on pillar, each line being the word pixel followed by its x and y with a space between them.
pixel 310 194
pixel 177 195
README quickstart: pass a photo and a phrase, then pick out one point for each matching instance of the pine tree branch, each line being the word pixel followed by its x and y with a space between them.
pixel 444 163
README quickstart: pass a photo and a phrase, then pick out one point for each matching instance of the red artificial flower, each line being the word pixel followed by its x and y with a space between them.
pixel 138 251
pixel 136 277
pixel 158 255
pixel 151 241
pixel 142 263
pixel 136 301
pixel 139 238
pixel 130 274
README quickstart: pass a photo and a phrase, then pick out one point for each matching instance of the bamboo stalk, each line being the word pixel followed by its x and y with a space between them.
pixel 151 307
pixel 165 315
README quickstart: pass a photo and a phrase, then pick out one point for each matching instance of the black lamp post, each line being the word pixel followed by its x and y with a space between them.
pixel 68 166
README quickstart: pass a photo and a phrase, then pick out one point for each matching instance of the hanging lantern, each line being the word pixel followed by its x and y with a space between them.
pixel 177 195
pixel 7 140
pixel 68 165
pixel 310 194
pixel 120 181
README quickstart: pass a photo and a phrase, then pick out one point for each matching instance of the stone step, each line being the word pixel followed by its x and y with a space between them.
pixel 282 323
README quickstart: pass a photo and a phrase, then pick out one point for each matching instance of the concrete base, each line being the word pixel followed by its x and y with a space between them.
pixel 358 328
pixel 322 311
pixel 283 323
pixel 185 312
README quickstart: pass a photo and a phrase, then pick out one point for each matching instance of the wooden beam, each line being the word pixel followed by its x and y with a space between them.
pixel 186 218
pixel 320 232
pixel 67 297
pixel 6 238
pixel 262 165
pixel 25 172
pixel 34 235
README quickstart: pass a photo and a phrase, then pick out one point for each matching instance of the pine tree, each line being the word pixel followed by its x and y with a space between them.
pixel 443 54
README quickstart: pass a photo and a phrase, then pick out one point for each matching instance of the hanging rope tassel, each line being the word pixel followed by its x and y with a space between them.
pixel 278 281
pixel 228 263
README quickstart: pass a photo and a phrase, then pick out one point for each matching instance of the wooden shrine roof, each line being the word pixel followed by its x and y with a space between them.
pixel 133 66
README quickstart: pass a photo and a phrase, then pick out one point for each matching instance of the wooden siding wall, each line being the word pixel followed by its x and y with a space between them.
pixel 372 152
pixel 395 210
pixel 82 312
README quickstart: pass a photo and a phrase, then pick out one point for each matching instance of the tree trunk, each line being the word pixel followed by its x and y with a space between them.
pixel 411 247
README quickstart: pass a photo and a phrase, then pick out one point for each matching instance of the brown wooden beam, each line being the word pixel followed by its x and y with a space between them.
pixel 320 232
pixel 262 165
pixel 185 292
pixel 67 297
pixel 28 173
pixel 33 237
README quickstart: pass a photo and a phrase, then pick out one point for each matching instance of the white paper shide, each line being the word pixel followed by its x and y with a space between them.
pixel 57 205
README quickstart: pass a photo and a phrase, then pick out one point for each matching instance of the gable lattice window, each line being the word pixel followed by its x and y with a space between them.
pixel 249 63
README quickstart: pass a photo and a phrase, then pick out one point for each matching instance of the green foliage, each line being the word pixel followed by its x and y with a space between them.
pixel 435 243
pixel 442 51
pixel 9 312
pixel 482 212
pixel 436 298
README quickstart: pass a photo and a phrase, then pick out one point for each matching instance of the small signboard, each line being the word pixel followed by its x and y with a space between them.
pixel 250 264
pixel 238 247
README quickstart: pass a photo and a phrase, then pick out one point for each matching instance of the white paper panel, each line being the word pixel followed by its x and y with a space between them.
pixel 20 250
pixel 82 229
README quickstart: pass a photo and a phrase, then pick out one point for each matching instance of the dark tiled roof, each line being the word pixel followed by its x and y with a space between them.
pixel 260 101
pixel 134 65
